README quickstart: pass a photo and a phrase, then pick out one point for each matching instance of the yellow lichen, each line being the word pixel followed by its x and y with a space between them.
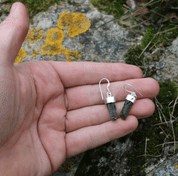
pixel 54 35
pixel 52 49
pixel 29 47
pixel 69 53
pixel 81 45
pixel 25 41
pixel 176 166
pixel 21 54
pixel 35 52
pixel 35 34
pixel 54 38
pixel 64 19
pixel 77 23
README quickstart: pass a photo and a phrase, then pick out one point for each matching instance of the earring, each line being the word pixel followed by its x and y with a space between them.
pixel 129 101
pixel 110 101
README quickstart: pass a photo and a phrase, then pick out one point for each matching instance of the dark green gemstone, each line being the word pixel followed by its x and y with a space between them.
pixel 112 111
pixel 126 109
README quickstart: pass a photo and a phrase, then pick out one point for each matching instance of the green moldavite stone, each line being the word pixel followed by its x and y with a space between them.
pixel 112 111
pixel 126 109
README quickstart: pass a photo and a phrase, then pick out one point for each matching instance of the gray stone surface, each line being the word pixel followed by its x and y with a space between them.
pixel 107 43
pixel 169 64
pixel 45 23
pixel 166 167
pixel 107 160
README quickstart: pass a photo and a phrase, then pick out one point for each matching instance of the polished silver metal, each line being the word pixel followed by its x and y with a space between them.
pixel 131 98
pixel 132 93
pixel 110 99
pixel 109 92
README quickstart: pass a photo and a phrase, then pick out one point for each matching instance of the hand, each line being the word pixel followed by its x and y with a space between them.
pixel 53 110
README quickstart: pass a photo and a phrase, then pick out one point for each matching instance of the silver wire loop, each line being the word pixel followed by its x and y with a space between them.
pixel 109 92
pixel 132 93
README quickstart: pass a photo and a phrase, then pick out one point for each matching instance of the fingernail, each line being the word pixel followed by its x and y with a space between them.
pixel 13 7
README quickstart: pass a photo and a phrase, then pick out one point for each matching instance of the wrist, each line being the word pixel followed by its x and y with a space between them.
pixel 17 163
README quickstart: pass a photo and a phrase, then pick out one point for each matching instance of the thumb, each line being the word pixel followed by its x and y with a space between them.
pixel 13 31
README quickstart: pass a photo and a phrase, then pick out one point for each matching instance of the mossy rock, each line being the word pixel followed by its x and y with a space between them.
pixel 155 131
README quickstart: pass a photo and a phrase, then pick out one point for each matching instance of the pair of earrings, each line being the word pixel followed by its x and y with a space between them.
pixel 110 101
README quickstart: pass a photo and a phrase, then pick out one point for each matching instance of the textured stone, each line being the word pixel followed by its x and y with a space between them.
pixel 45 23
pixel 166 167
pixel 104 41
pixel 107 160
pixel 112 111
pixel 126 109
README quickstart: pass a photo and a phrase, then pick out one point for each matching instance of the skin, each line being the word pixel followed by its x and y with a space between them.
pixel 53 110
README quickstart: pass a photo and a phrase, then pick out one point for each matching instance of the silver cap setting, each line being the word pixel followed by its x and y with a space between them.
pixel 131 98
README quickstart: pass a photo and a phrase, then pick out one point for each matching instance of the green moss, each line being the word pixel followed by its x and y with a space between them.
pixel 168 33
pixel 151 40
pixel 154 132
pixel 168 92
pixel 149 35
pixel 111 6
pixel 158 39
pixel 132 56
pixel 118 7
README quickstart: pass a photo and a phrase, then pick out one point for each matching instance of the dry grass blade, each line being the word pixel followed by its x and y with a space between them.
pixel 164 122
pixel 129 14
pixel 164 132
pixel 149 44
pixel 171 115
pixel 145 145
pixel 160 112
pixel 167 143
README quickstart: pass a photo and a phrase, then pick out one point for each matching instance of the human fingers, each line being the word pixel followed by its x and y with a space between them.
pixel 85 73
pixel 90 137
pixel 13 31
pixel 98 114
pixel 89 95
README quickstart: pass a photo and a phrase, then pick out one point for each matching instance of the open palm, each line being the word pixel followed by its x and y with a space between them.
pixel 53 110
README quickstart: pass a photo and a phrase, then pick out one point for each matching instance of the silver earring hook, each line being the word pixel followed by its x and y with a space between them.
pixel 132 93
pixel 109 92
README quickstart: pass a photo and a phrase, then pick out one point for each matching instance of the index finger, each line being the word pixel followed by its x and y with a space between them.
pixel 83 73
